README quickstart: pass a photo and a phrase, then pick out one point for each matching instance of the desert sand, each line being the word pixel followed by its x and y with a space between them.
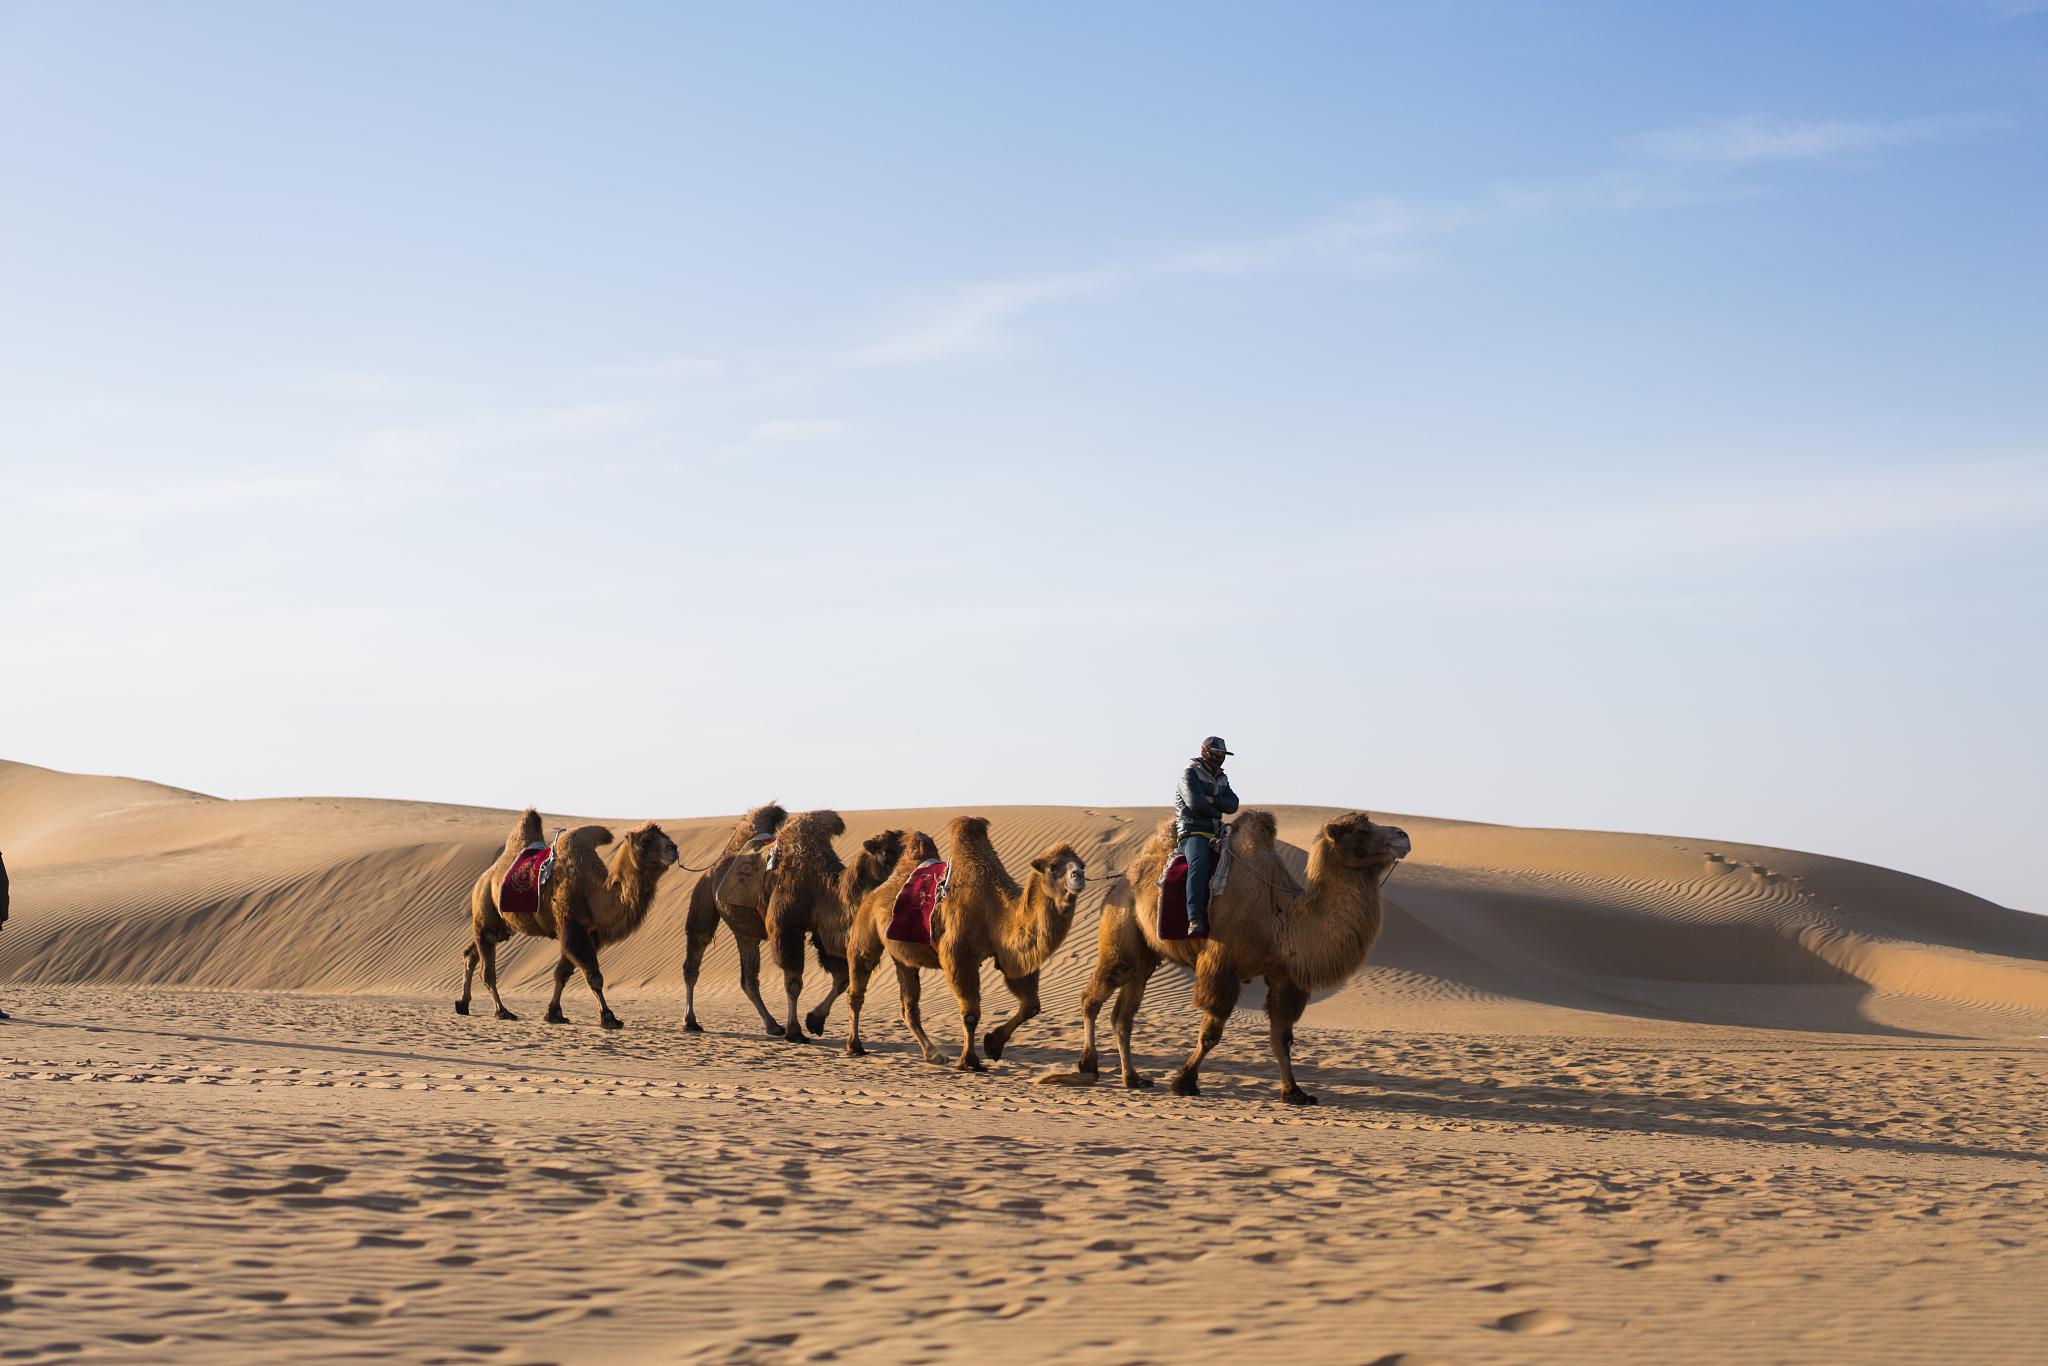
pixel 1597 1097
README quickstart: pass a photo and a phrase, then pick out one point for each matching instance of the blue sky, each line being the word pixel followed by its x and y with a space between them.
pixel 1626 416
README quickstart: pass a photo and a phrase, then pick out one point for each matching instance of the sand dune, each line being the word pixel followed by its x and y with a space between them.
pixel 1596 1098
pixel 124 881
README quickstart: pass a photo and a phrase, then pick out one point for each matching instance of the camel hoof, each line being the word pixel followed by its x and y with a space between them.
pixel 795 1035
pixel 611 1021
pixel 462 1007
pixel 690 1025
pixel 773 1031
pixel 1138 1081
pixel 1087 1066
pixel 815 1022
pixel 1185 1085
pixel 505 1014
pixel 992 1044
pixel 854 1050
pixel 970 1065
pixel 1297 1097
pixel 556 1017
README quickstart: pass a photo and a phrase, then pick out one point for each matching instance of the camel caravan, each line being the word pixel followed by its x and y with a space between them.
pixel 1211 896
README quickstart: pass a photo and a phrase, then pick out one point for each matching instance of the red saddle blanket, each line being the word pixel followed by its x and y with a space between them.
pixel 520 894
pixel 923 890
pixel 1173 901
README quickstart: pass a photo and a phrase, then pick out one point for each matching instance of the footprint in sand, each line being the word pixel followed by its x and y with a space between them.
pixel 1535 1322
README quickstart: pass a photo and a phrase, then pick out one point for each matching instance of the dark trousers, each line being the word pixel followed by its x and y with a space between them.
pixel 1201 857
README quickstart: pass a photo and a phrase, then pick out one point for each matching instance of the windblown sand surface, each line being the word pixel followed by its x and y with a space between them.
pixel 1598 1097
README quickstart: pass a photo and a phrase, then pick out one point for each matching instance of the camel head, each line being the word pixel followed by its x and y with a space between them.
pixel 1353 841
pixel 1063 869
pixel 653 847
pixel 878 854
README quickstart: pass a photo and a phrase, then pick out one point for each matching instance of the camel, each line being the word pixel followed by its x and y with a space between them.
pixel 985 915
pixel 587 905
pixel 1262 924
pixel 804 903
pixel 700 926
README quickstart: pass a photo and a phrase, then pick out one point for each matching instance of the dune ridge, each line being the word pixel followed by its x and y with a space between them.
pixel 122 881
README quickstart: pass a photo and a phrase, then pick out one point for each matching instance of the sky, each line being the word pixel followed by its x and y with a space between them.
pixel 1620 416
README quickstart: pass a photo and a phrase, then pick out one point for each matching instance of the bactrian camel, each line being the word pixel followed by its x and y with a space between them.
pixel 1263 924
pixel 985 915
pixel 802 905
pixel 587 905
pixel 700 925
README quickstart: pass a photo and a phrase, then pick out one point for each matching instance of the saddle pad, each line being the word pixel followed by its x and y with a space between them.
pixel 744 882
pixel 528 877
pixel 1173 900
pixel 923 890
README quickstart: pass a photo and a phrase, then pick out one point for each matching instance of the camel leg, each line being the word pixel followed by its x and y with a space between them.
pixel 821 1012
pixel 1216 996
pixel 965 976
pixel 1099 989
pixel 564 969
pixel 789 956
pixel 910 986
pixel 750 982
pixel 487 949
pixel 1284 1003
pixel 859 970
pixel 577 944
pixel 1025 989
pixel 1128 997
pixel 469 957
pixel 699 928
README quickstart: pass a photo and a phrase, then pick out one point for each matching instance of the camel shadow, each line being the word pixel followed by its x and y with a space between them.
pixel 1373 1091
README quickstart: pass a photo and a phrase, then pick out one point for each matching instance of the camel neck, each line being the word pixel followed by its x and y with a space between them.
pixel 1331 927
pixel 1037 924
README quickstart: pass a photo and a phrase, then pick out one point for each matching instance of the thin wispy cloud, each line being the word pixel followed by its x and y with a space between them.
pixel 1548 532
pixel 1376 238
pixel 1755 140
pixel 974 320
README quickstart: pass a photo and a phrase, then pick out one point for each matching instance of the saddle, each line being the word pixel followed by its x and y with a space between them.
pixel 916 905
pixel 744 882
pixel 531 871
pixel 1173 889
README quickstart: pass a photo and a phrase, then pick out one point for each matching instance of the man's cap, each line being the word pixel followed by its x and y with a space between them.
pixel 1216 742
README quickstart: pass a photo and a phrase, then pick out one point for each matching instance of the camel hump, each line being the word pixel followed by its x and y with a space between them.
pixel 529 827
pixel 804 845
pixel 919 848
pixel 1252 831
pixel 967 830
pixel 766 819
pixel 587 837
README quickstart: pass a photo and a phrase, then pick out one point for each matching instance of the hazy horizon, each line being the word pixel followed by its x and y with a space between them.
pixel 1576 415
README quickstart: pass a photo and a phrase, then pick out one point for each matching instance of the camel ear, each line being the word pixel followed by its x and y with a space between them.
pixel 1042 864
